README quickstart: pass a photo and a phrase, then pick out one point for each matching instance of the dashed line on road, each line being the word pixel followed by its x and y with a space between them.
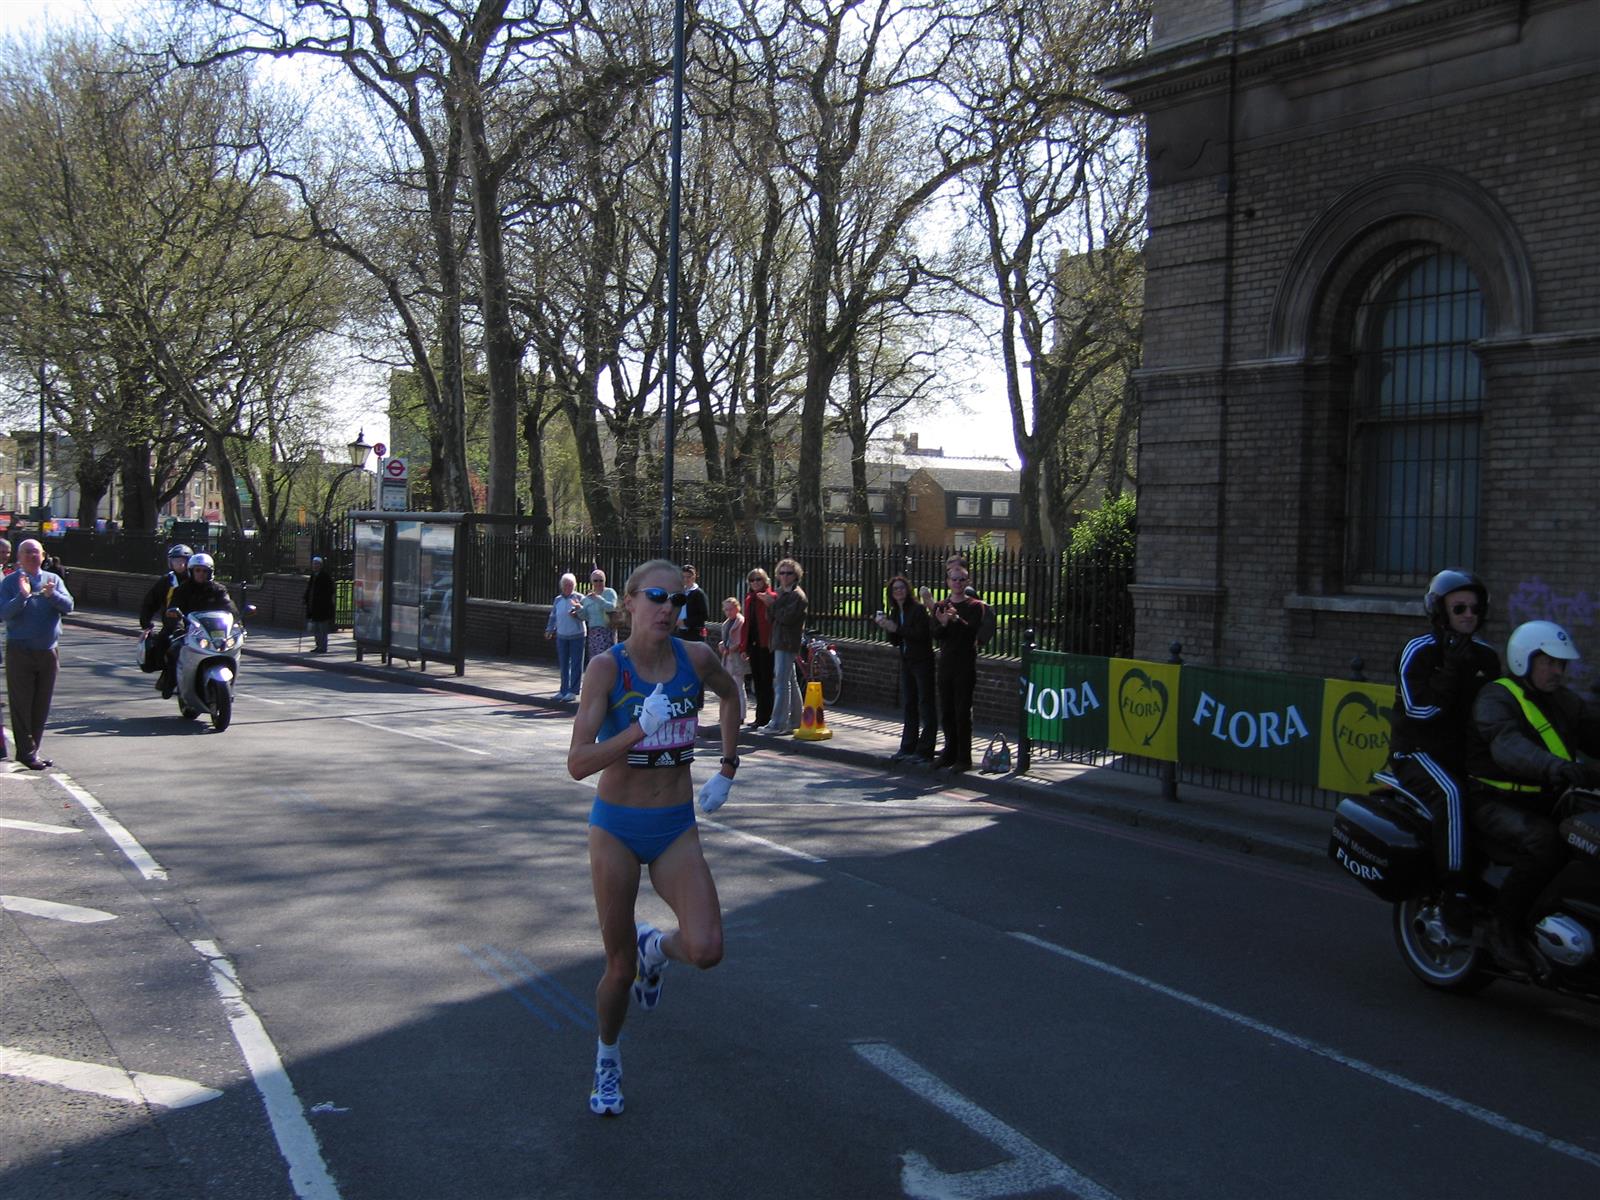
pixel 421 737
pixel 761 841
pixel 308 1173
pixel 114 1083
pixel 114 829
pixel 53 910
pixel 36 826
pixel 1030 1169
pixel 1455 1104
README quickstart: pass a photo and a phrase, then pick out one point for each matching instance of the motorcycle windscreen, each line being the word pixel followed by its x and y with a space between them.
pixel 216 624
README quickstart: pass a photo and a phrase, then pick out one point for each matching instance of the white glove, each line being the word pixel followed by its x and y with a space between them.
pixel 715 793
pixel 657 710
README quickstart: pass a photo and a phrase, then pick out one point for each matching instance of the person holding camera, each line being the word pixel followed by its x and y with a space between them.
pixel 910 629
pixel 1439 674
pixel 567 625
pixel 957 620
pixel 788 632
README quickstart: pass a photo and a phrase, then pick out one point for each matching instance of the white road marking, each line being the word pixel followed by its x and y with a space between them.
pixel 74 913
pixel 36 826
pixel 254 698
pixel 760 841
pixel 422 737
pixel 130 1087
pixel 115 830
pixel 1488 1117
pixel 308 1174
pixel 1031 1168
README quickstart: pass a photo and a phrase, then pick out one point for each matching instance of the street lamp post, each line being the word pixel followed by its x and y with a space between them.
pixel 358 451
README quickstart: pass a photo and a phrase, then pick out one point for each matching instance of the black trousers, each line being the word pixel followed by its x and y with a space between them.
pixel 958 676
pixel 919 708
pixel 761 680
pixel 1530 840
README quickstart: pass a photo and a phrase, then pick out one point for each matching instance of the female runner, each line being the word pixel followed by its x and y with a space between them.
pixel 637 720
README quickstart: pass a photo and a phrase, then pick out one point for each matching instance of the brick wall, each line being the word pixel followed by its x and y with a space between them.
pixel 1243 478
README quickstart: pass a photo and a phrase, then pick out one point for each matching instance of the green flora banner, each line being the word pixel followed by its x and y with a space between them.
pixel 1064 700
pixel 1144 708
pixel 1252 722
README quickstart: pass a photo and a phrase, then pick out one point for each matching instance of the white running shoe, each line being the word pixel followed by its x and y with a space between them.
pixel 646 979
pixel 606 1098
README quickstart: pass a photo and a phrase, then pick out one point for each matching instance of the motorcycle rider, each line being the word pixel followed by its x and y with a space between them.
pixel 199 592
pixel 1530 728
pixel 159 597
pixel 1439 674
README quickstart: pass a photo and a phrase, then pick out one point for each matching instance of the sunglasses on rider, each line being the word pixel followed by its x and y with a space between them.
pixel 662 596
pixel 1458 609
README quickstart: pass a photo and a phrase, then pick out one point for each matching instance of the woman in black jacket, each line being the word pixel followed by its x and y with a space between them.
pixel 910 628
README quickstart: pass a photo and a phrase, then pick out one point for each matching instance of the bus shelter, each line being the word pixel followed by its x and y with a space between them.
pixel 405 602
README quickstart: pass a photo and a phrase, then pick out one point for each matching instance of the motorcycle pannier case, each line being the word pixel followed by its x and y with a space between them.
pixel 1380 841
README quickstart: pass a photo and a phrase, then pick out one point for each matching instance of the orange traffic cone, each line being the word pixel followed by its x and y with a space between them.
pixel 813 724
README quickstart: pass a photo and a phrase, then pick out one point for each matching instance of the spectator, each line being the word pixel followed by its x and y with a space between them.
pixel 734 659
pixel 566 626
pixel 696 608
pixel 599 602
pixel 758 603
pixel 958 619
pixel 910 628
pixel 32 603
pixel 788 632
pixel 6 565
pixel 319 605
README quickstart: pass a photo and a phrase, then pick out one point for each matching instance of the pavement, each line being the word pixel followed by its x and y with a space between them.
pixel 863 737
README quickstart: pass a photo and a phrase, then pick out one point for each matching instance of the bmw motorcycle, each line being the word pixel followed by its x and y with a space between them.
pixel 1383 840
pixel 208 664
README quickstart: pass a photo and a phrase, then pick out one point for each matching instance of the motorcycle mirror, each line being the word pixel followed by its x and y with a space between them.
pixel 249 610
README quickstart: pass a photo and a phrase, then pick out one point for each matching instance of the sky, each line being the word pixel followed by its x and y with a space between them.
pixel 976 424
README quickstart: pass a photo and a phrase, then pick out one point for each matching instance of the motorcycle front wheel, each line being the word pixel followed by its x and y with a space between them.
pixel 221 707
pixel 1433 955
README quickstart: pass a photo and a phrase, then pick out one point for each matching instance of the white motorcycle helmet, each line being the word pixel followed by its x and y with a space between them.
pixel 202 560
pixel 1538 637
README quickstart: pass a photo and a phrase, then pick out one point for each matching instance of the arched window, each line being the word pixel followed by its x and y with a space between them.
pixel 1415 422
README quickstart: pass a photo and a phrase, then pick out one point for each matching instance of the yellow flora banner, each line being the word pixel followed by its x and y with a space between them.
pixel 1355 734
pixel 1144 709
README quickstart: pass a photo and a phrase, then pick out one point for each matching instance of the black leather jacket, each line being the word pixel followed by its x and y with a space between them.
pixel 1509 748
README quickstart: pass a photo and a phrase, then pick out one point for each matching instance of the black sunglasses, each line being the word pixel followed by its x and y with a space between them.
pixel 662 596
pixel 1458 609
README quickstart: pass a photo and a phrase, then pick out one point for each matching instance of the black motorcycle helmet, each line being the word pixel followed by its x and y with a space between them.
pixel 1452 579
pixel 180 551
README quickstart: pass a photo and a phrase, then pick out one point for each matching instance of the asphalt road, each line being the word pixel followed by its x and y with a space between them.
pixel 925 993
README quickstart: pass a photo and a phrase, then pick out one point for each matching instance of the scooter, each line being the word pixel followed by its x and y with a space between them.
pixel 1383 841
pixel 208 664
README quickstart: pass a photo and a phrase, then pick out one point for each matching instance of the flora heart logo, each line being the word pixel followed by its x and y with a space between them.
pixel 1142 704
pixel 1360 732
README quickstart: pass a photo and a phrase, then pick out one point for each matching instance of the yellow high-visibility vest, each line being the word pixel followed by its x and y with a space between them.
pixel 1547 734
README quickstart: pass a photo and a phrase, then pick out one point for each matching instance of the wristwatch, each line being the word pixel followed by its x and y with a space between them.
pixel 731 762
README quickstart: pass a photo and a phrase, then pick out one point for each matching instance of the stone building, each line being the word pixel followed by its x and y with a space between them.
pixel 1372 324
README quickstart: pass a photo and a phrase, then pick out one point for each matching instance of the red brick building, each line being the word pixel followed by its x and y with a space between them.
pixel 1372 340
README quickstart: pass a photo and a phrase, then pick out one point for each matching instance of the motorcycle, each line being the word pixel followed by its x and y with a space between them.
pixel 208 664
pixel 1383 841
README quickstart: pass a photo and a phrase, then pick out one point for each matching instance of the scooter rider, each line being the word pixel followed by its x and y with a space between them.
pixel 159 596
pixel 1439 674
pixel 199 592
pixel 1531 728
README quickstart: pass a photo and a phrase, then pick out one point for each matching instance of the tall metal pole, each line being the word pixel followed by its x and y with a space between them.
pixel 675 155
pixel 40 505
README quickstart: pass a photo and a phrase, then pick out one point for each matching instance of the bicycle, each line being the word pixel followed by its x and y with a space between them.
pixel 818 661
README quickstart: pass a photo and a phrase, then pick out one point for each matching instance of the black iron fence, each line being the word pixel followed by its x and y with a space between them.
pixel 1077 603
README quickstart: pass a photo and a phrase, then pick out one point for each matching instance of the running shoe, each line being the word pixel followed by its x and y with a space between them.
pixel 606 1098
pixel 646 979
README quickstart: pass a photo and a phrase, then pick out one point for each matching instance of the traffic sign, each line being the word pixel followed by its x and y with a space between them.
pixel 394 468
pixel 380 449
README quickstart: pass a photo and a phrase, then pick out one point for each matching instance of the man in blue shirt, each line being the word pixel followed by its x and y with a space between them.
pixel 32 603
